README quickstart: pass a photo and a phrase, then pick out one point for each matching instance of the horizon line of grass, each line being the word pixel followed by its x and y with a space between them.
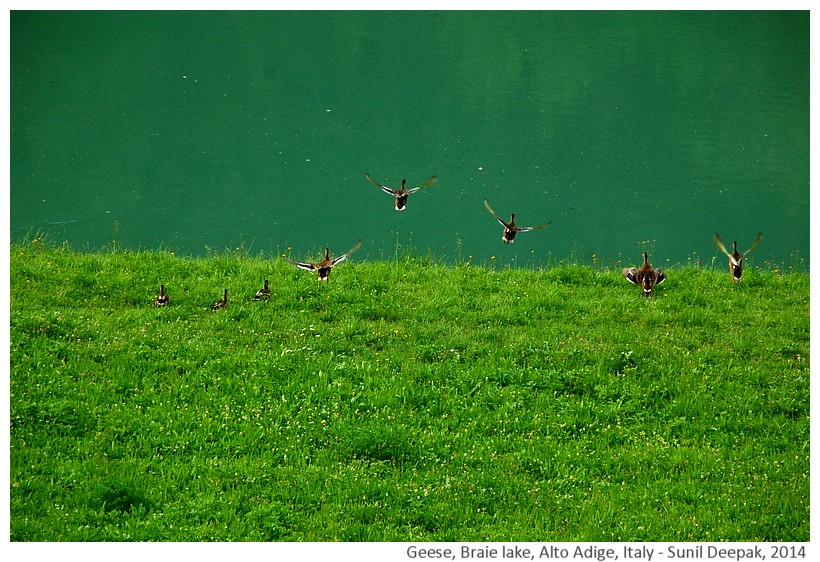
pixel 409 251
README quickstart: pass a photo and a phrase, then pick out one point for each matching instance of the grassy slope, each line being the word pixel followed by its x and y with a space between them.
pixel 405 401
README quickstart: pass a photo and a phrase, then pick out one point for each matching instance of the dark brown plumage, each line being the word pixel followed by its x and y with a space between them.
pixel 162 297
pixel 646 276
pixel 263 293
pixel 221 303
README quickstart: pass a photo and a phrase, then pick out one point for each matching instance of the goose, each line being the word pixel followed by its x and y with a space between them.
pixel 645 276
pixel 162 297
pixel 736 258
pixel 510 228
pixel 263 293
pixel 221 303
pixel 403 193
pixel 324 266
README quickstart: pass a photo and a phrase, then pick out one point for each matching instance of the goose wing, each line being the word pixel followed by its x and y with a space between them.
pixel 722 248
pixel 428 183
pixel 660 276
pixel 526 228
pixel 346 254
pixel 302 264
pixel 493 213
pixel 630 274
pixel 386 189
pixel 756 242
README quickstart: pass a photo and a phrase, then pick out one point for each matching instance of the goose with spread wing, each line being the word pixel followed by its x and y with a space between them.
pixel 324 266
pixel 510 228
pixel 647 277
pixel 736 258
pixel 402 193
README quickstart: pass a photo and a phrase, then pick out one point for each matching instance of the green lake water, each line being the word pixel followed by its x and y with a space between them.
pixel 627 130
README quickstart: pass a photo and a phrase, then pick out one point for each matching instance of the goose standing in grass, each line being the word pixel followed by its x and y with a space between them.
pixel 736 258
pixel 263 293
pixel 221 303
pixel 510 228
pixel 646 276
pixel 162 297
pixel 323 267
pixel 402 193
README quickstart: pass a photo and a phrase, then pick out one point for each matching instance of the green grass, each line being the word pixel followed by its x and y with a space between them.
pixel 406 401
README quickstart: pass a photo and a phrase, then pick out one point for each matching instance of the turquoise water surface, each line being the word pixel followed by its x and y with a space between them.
pixel 213 130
